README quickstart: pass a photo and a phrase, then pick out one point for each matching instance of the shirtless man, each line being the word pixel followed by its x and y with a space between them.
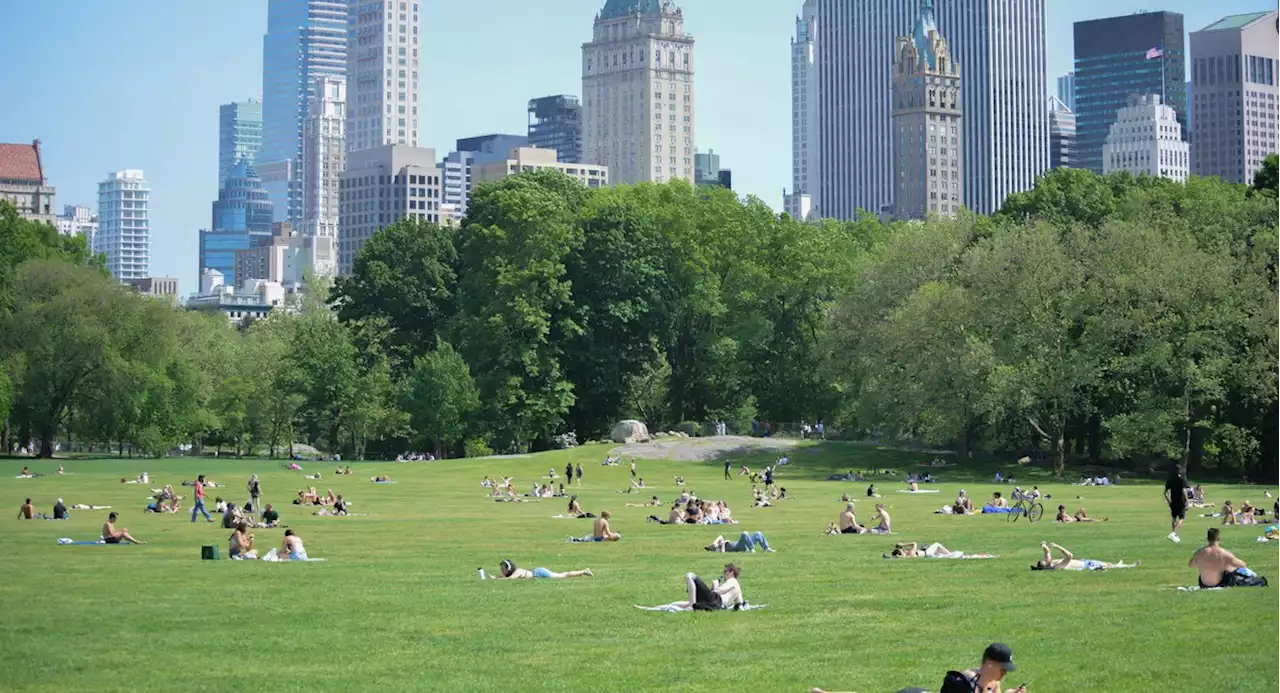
pixel 1215 564
pixel 292 548
pixel 111 535
pixel 998 501
pixel 509 571
pixel 847 523
pixel 27 511
pixel 883 516
pixel 653 503
pixel 1081 515
pixel 601 531
pixel 1070 562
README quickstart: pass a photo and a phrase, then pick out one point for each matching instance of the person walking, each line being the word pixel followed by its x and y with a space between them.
pixel 1175 494
pixel 633 469
pixel 579 473
pixel 199 506
pixel 568 473
pixel 255 492
pixel 726 470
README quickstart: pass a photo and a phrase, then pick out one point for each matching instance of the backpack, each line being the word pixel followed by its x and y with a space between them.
pixel 1242 580
pixel 957 682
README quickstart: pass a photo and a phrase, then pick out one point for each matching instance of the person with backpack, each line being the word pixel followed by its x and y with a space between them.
pixel 997 662
pixel 1219 567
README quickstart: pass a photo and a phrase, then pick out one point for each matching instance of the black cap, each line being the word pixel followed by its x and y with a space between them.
pixel 999 653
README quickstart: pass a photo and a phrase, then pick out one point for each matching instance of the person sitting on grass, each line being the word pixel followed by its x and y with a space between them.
pixel 1246 514
pixel 652 503
pixel 1197 498
pixel 675 517
pixel 508 571
pixel 1228 513
pixel 884 526
pixel 745 543
pixel 27 511
pixel 846 523
pixel 998 501
pixel 242 542
pixel 270 517
pixel 963 504
pixel 997 662
pixel 292 547
pixel 1219 567
pixel 600 530
pixel 723 594
pixel 59 510
pixel 1081 515
pixel 761 501
pixel 111 535
pixel 61 470
pixel 1070 562
pixel 872 492
pixel 575 510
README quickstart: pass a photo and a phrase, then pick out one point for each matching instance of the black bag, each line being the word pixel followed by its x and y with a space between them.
pixel 1238 580
pixel 957 682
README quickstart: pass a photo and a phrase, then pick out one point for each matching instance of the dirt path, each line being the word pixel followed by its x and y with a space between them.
pixel 700 449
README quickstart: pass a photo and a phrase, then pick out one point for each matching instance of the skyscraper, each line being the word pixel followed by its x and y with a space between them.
pixel 1067 90
pixel 637 90
pixel 242 217
pixel 381 186
pixel 239 135
pixel 1235 73
pixel 928 139
pixel 1062 134
pixel 707 170
pixel 1116 58
pixel 1002 48
pixel 486 149
pixel 382 73
pixel 455 184
pixel 305 39
pixel 124 226
pixel 323 156
pixel 555 122
pixel 804 111
pixel 1146 139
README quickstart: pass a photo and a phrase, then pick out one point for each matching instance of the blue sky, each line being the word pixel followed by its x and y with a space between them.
pixel 108 85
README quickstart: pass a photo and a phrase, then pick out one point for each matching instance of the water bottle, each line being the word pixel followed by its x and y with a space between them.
pixel 482 575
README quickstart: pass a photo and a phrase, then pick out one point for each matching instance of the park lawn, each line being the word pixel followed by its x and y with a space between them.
pixel 398 606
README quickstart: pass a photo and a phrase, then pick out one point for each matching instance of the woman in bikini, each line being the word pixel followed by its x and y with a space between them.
pixel 508 571
pixel 241 541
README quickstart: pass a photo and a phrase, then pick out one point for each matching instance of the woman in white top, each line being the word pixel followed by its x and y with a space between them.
pixel 723 594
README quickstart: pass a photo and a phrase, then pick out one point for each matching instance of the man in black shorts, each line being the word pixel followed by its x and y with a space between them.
pixel 1175 494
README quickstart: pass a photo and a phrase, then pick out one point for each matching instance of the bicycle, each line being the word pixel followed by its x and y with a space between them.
pixel 1030 507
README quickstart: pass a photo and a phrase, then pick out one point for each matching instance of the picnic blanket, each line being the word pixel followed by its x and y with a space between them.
pixel 677 607
pixel 923 490
pixel 957 555
pixel 993 510
pixel 273 556
pixel 386 482
pixel 68 541
pixel 1197 588
pixel 589 539
pixel 82 506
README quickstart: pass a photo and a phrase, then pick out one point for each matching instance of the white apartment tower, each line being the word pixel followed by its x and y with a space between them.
pixel 382 73
pixel 78 220
pixel 637 89
pixel 804 110
pixel 323 156
pixel 124 226
pixel 1146 138
pixel 1000 43
pixel 927 128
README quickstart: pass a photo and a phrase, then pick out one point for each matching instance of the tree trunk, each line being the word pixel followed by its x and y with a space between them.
pixel 46 442
pixel 1095 438
pixel 1059 453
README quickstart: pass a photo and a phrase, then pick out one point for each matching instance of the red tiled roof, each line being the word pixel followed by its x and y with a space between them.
pixel 20 162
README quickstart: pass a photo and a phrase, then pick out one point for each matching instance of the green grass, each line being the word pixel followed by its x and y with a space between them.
pixel 398 605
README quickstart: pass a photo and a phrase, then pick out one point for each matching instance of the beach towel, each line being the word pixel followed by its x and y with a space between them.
pixel 677 607
pixel 589 539
pixel 273 556
pixel 68 541
pixel 956 555
pixel 386 482
pixel 992 510
pixel 82 506
pixel 1197 588
pixel 923 490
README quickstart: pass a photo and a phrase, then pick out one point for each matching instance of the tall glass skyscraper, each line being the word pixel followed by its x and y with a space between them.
pixel 1000 46
pixel 555 122
pixel 1117 57
pixel 239 135
pixel 305 39
pixel 242 216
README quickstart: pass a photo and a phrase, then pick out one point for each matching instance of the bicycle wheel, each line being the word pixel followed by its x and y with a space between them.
pixel 1015 512
pixel 1035 512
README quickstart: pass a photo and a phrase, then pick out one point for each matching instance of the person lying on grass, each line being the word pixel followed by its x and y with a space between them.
pixel 1219 567
pixel 652 503
pixel 601 531
pixel 1070 562
pixel 508 571
pixel 723 594
pixel 846 523
pixel 111 535
pixel 997 662
pixel 380 479
pixel 747 543
pixel 1081 515
pixel 912 550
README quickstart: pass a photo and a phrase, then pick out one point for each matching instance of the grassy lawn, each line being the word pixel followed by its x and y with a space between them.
pixel 399 607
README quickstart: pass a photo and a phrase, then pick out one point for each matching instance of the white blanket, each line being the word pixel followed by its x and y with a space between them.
pixel 923 490
pixel 676 607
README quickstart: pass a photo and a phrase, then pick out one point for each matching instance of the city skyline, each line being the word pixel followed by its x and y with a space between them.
pixel 167 124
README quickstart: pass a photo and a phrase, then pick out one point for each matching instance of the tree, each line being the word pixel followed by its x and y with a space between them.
pixel 1267 177
pixel 441 399
pixel 404 274
pixel 514 302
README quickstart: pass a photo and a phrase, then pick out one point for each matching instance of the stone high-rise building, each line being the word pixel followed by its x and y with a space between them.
pixel 928 135
pixel 804 113
pixel 323 156
pixel 382 73
pixel 637 92
pixel 1147 139
pixel 1235 70
pixel 23 183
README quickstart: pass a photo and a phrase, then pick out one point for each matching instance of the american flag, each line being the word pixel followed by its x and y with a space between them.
pixel 1155 53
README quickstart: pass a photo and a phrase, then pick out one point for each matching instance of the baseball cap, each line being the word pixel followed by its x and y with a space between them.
pixel 1000 653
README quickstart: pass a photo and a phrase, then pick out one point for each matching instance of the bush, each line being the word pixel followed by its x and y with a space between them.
pixel 565 441
pixel 689 428
pixel 476 447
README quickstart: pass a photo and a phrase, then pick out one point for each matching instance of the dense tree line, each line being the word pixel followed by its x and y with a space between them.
pixel 1101 318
